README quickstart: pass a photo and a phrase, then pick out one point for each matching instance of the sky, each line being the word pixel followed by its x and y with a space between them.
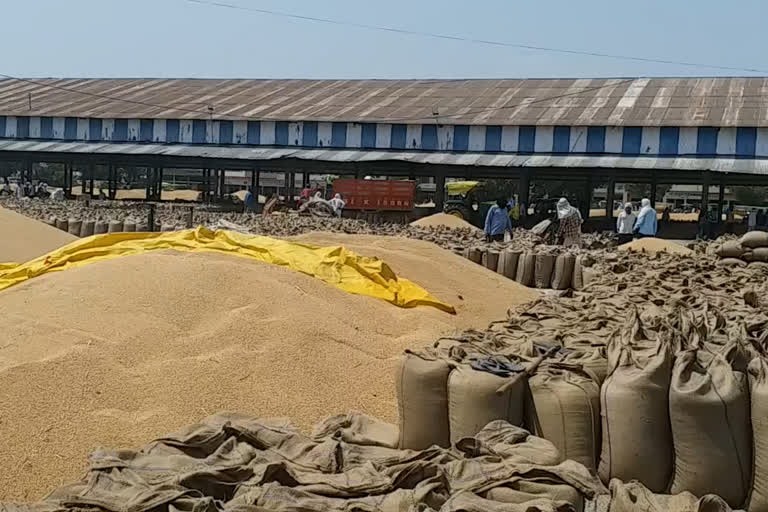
pixel 178 38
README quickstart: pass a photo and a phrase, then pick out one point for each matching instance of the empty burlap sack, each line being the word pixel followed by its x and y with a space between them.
pixel 593 361
pixel 473 401
pixel 543 274
pixel 589 274
pixel 634 497
pixel 88 228
pixel 637 440
pixel 758 387
pixel 508 263
pixel 100 227
pixel 755 239
pixel 526 269
pixel 422 398
pixel 730 249
pixel 562 276
pixel 526 491
pixel 75 226
pixel 731 262
pixel 491 259
pixel 564 407
pixel 709 414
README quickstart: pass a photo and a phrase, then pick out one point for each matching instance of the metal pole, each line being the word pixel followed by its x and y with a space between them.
pixel 653 190
pixel 151 217
pixel 439 191
pixel 257 187
pixel 610 198
pixel 222 182
pixel 587 199
pixel 720 200
pixel 525 193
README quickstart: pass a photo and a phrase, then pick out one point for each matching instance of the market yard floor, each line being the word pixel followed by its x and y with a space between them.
pixel 122 351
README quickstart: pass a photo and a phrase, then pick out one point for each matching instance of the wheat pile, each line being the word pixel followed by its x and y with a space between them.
pixel 653 245
pixel 443 219
pixel 119 352
pixel 23 239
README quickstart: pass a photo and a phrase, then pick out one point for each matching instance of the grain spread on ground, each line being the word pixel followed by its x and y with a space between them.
pixel 132 348
pixel 442 219
pixel 22 238
pixel 653 245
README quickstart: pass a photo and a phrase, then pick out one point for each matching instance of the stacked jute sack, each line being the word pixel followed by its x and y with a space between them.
pixel 349 463
pixel 684 406
pixel 538 267
pixel 84 228
pixel 752 248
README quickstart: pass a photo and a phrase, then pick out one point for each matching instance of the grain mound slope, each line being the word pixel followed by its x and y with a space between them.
pixel 443 219
pixel 654 245
pixel 122 351
pixel 23 239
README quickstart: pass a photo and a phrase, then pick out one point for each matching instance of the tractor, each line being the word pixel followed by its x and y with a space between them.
pixel 466 201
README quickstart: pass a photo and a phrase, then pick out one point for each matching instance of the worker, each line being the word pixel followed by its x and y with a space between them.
pixel 647 223
pixel 569 232
pixel 730 219
pixel 6 188
pixel 338 204
pixel 666 215
pixel 248 200
pixel 752 220
pixel 29 190
pixel 625 224
pixel 497 222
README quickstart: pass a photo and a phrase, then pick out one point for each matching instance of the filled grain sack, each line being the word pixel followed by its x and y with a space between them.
pixel 115 226
pixel 634 497
pixel 543 272
pixel 709 415
pixel 730 249
pixel 142 227
pixel 508 263
pixel 592 360
pixel 731 262
pixel 491 259
pixel 475 255
pixel 578 273
pixel 526 268
pixel 564 407
pixel 760 254
pixel 637 439
pixel 88 228
pixel 754 239
pixel 129 226
pixel 473 401
pixel 562 276
pixel 100 227
pixel 74 227
pixel 422 397
pixel 758 387
pixel 62 224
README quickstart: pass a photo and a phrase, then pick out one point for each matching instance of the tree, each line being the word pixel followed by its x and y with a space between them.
pixel 752 196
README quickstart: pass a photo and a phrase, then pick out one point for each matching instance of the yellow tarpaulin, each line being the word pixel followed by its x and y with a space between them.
pixel 334 265
pixel 460 188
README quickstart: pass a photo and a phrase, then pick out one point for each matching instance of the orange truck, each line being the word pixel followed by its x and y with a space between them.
pixel 376 195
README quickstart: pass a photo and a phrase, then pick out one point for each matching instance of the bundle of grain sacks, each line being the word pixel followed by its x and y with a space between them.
pixel 752 248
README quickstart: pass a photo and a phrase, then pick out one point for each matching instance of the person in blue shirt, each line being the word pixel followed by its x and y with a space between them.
pixel 497 222
pixel 646 223
pixel 250 203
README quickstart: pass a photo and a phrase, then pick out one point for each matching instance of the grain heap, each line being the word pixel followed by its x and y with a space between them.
pixel 443 219
pixel 668 337
pixel 652 245
pixel 22 238
pixel 146 344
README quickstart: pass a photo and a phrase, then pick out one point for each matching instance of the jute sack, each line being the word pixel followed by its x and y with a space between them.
pixel 115 226
pixel 637 439
pixel 491 259
pixel 730 249
pixel 593 361
pixel 578 276
pixel 562 277
pixel 62 224
pixel 524 491
pixel 508 263
pixel 129 227
pixel 475 255
pixel 473 402
pixel 526 268
pixel 75 226
pixel 588 275
pixel 544 265
pixel 564 407
pixel 760 254
pixel 709 414
pixel 758 387
pixel 634 497
pixel 422 398
pixel 142 227
pixel 100 228
pixel 755 239
pixel 731 262
pixel 87 229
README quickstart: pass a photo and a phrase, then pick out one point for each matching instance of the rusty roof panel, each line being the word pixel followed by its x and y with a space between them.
pixel 608 102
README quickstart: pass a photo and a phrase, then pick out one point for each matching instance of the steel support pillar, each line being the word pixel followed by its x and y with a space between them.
pixel 257 187
pixel 720 201
pixel 525 193
pixel 587 199
pixel 439 192
pixel 610 198
pixel 653 190
pixel 222 182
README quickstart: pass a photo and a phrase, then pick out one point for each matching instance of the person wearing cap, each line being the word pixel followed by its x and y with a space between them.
pixel 625 224
pixel 647 223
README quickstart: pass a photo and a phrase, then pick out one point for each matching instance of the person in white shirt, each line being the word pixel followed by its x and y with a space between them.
pixel 625 224
pixel 752 220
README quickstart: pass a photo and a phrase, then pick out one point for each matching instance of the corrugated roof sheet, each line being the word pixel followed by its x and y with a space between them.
pixel 740 166
pixel 599 102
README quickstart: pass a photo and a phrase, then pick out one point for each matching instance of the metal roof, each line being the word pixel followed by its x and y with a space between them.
pixel 577 102
pixel 728 165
